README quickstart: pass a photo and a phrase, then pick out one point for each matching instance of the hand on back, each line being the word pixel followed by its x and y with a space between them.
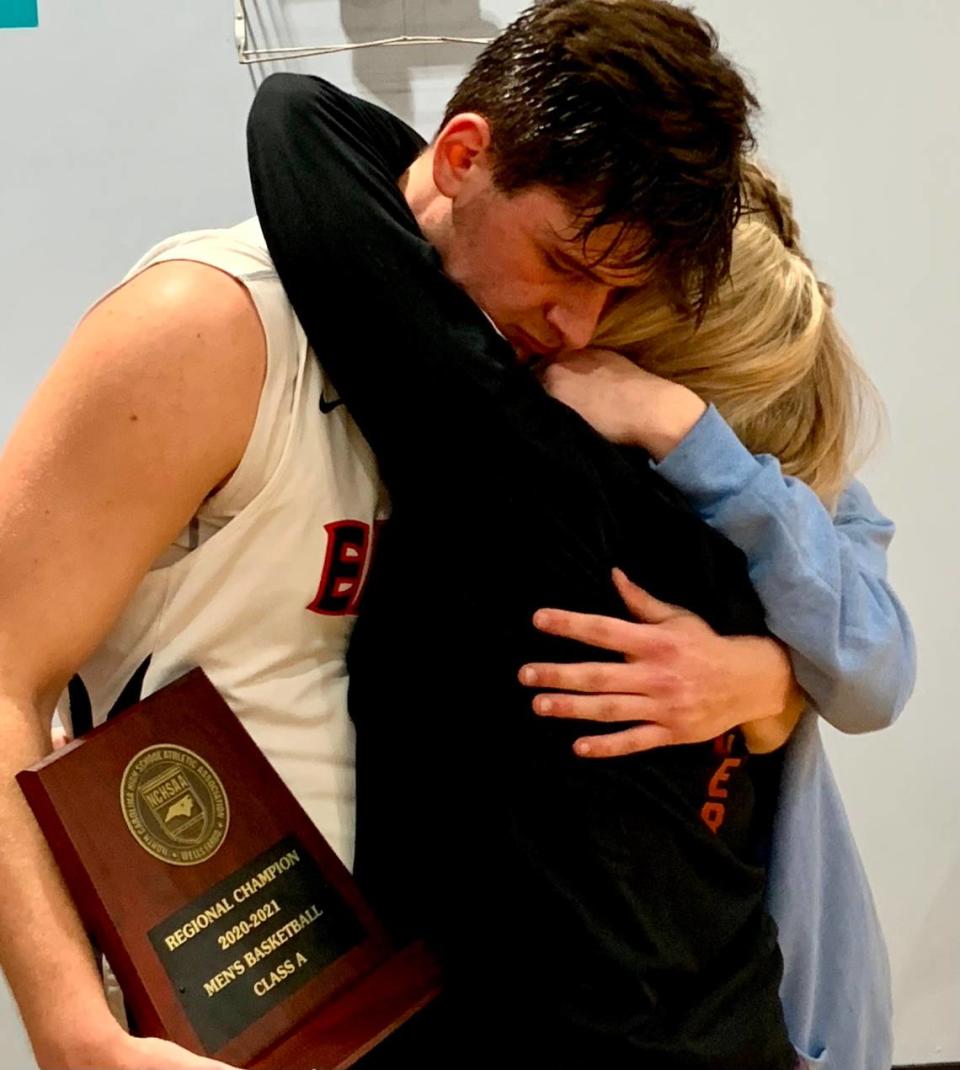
pixel 679 681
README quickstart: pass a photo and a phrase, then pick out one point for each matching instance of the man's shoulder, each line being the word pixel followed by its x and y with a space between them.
pixel 183 294
pixel 206 289
pixel 238 250
pixel 185 331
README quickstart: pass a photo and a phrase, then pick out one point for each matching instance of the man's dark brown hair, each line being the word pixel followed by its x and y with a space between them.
pixel 627 110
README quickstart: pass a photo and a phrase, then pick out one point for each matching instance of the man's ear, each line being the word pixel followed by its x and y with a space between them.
pixel 461 153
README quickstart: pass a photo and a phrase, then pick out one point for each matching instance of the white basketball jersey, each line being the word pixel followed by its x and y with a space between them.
pixel 261 589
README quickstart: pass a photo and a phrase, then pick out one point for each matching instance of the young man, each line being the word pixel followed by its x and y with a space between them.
pixel 203 525
pixel 588 913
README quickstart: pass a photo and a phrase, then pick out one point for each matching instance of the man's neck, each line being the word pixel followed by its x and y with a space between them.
pixel 430 208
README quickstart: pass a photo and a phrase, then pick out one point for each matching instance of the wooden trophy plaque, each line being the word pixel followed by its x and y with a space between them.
pixel 232 927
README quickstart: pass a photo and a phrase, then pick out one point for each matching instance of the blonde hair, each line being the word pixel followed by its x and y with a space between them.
pixel 768 351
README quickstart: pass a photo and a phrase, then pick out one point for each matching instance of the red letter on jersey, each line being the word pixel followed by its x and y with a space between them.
pixel 348 542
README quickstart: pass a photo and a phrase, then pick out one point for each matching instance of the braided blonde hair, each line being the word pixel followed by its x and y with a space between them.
pixel 768 351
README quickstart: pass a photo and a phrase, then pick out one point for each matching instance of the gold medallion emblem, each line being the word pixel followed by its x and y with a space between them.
pixel 174 805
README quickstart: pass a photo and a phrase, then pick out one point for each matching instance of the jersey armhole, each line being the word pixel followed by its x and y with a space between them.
pixel 272 424
pixel 237 253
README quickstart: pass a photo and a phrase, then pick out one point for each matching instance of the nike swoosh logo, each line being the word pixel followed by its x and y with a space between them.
pixel 329 406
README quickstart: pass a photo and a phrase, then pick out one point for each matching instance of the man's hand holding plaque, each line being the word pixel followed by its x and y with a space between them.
pixel 231 925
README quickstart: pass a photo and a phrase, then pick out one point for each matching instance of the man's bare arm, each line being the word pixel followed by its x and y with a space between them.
pixel 148 408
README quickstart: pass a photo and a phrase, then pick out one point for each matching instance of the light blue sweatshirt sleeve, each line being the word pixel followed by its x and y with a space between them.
pixel 822 579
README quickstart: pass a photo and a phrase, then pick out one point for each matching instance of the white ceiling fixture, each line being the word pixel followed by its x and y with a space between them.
pixel 264 55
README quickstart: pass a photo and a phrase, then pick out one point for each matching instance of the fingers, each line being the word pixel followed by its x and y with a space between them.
pixel 642 605
pixel 587 676
pixel 609 708
pixel 607 633
pixel 630 741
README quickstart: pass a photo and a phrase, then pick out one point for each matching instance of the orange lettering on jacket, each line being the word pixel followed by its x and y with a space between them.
pixel 714 812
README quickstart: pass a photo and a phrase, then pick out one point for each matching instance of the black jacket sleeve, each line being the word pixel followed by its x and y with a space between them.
pixel 402 343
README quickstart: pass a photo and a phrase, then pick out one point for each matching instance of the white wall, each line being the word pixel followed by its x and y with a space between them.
pixel 123 122
pixel 861 100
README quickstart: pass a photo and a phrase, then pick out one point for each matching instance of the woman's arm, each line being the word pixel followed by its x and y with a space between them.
pixel 822 579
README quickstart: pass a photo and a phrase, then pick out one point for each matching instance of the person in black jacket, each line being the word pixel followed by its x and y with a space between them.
pixel 588 913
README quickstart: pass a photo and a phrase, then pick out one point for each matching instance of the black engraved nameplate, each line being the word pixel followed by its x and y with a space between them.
pixel 252 940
